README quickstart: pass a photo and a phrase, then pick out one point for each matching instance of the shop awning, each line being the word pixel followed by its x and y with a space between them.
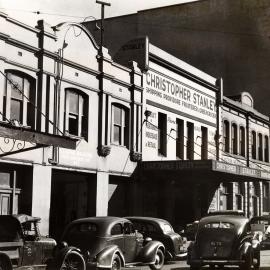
pixel 202 170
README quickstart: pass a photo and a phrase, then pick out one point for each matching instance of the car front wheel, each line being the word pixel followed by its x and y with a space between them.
pixel 73 261
pixel 159 260
pixel 4 265
pixel 116 263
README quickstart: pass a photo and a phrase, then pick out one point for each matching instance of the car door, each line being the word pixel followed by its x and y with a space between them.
pixel 117 236
pixel 130 243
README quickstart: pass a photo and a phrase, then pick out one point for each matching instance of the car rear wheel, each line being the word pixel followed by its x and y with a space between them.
pixel 159 260
pixel 73 261
pixel 248 262
pixel 4 265
pixel 116 263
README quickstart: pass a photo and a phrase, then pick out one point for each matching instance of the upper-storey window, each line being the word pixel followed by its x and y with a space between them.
pixel 180 138
pixel 19 98
pixel 204 143
pixel 253 145
pixel 162 134
pixel 76 116
pixel 242 140
pixel 266 149
pixel 190 141
pixel 226 136
pixel 260 146
pixel 120 127
pixel 234 139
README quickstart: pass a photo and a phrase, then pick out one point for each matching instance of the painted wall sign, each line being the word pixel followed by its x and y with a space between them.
pixel 173 92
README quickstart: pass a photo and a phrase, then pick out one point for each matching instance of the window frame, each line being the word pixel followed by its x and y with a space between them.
pixel 82 116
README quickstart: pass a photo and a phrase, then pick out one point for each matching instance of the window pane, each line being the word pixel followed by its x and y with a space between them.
pixel 26 88
pixel 73 103
pixel 73 125
pixel 16 110
pixel 117 134
pixel 117 116
pixel 17 83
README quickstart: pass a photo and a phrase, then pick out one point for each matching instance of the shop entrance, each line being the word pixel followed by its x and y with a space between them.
pixel 73 196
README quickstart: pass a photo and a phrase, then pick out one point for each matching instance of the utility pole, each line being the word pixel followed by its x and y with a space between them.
pixel 103 148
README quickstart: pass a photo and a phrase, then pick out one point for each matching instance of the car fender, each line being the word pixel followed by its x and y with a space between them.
pixel 6 257
pixel 105 257
pixel 244 249
pixel 62 253
pixel 148 252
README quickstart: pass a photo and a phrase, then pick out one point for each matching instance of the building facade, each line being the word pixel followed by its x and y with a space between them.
pixel 148 127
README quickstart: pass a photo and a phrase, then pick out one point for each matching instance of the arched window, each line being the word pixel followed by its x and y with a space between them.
pixel 226 136
pixel 242 141
pixel 120 125
pixel 234 139
pixel 19 98
pixel 260 146
pixel 76 113
pixel 266 149
pixel 253 145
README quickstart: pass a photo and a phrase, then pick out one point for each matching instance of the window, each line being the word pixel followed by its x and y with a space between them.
pixel 76 116
pixel 239 196
pixel 120 128
pixel 242 141
pixel 180 138
pixel 190 141
pixel 226 136
pixel 260 146
pixel 117 229
pixel 128 228
pixel 253 144
pixel 19 99
pixel 266 149
pixel 162 134
pixel 266 206
pixel 204 143
pixel 234 139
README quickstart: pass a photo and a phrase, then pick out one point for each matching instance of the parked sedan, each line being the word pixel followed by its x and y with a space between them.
pixel 224 240
pixel 161 230
pixel 108 242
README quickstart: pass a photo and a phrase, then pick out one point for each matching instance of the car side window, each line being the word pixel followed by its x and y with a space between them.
pixel 151 228
pixel 128 228
pixel 117 229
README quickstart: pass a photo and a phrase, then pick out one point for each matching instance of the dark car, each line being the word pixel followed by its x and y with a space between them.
pixel 224 240
pixel 161 230
pixel 22 246
pixel 108 242
pixel 261 226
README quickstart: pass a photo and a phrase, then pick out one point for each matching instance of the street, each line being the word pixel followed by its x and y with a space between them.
pixel 181 265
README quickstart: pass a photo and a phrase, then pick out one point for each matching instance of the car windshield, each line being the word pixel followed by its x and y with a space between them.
pixel 166 228
pixel 219 225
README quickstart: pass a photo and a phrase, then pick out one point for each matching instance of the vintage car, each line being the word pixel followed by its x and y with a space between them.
pixel 108 242
pixel 22 246
pixel 224 240
pixel 161 230
pixel 261 226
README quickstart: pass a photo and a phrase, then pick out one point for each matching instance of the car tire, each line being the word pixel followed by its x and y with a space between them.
pixel 247 265
pixel 116 262
pixel 159 260
pixel 4 264
pixel 194 267
pixel 257 256
pixel 73 261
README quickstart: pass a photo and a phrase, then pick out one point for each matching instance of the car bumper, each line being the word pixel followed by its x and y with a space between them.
pixel 202 262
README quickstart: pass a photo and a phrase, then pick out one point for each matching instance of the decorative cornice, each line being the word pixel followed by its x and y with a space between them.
pixel 135 156
pixel 104 150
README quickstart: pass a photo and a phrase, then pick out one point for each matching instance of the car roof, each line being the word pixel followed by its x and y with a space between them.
pixel 149 219
pixel 226 212
pixel 257 218
pixel 22 218
pixel 104 223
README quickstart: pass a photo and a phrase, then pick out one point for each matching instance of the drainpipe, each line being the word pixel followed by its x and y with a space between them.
pixel 219 95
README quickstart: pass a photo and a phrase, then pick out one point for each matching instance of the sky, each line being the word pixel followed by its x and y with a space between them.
pixel 56 11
